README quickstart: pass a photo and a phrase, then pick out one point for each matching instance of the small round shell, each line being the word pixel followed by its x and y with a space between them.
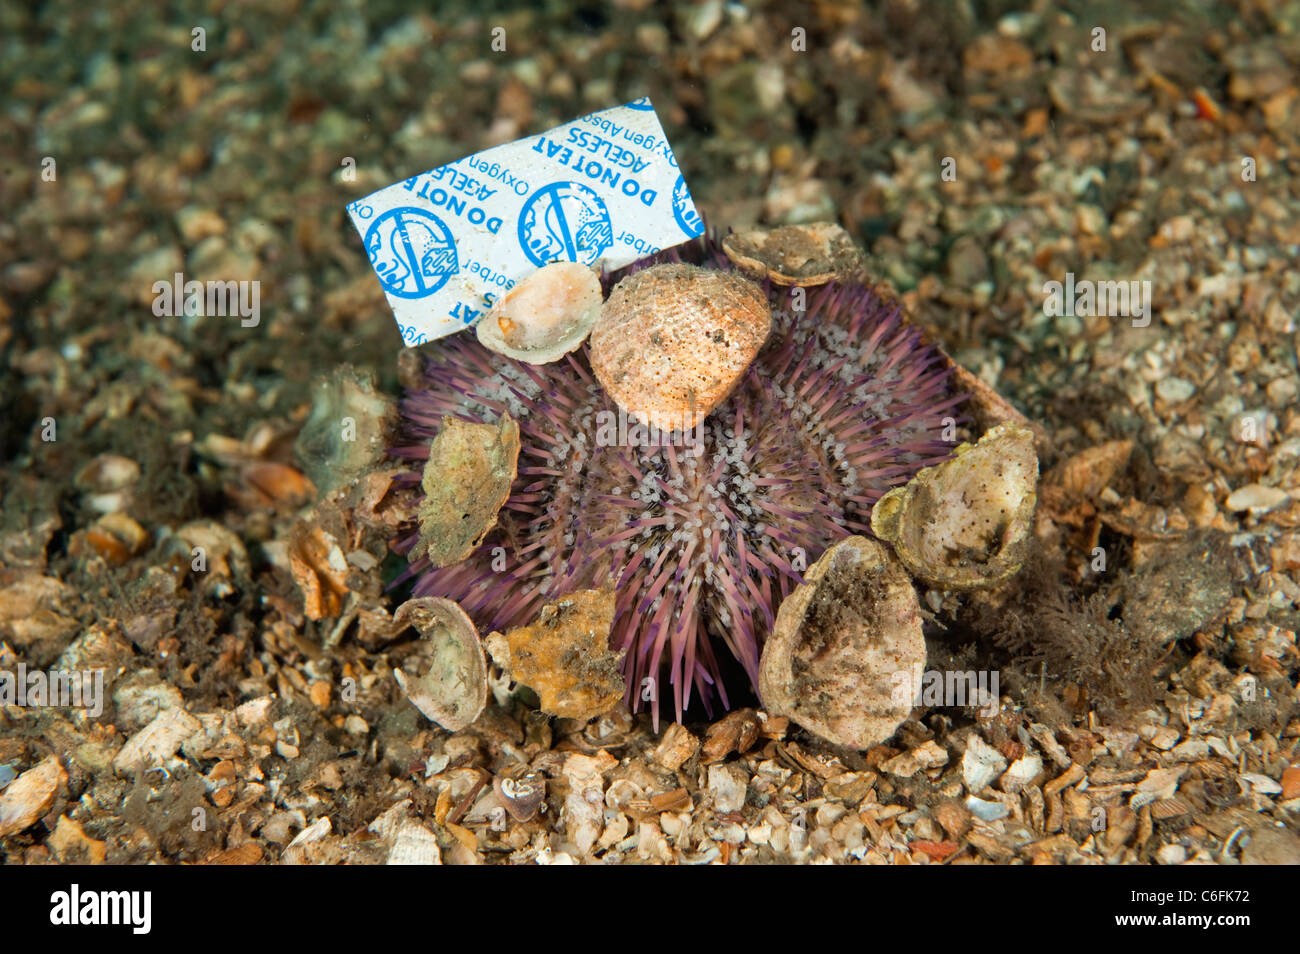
pixel 674 340
pixel 846 648
pixel 453 692
pixel 521 796
pixel 545 316
pixel 963 524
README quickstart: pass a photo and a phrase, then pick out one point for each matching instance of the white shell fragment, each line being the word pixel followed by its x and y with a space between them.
pixel 453 692
pixel 963 524
pixel 847 647
pixel 545 316
pixel 981 764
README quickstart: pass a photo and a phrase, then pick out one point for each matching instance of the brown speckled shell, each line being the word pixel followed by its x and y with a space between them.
pixel 673 340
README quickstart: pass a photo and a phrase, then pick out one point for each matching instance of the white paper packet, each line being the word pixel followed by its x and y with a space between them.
pixel 445 244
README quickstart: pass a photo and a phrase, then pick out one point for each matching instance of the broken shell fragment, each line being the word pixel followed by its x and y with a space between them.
pixel 846 647
pixel 30 796
pixel 963 524
pixel 811 254
pixel 453 692
pixel 674 340
pixel 320 568
pixel 466 482
pixel 115 537
pixel 544 317
pixel 565 657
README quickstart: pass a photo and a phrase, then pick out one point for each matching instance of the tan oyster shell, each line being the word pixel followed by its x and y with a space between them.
pixel 963 524
pixel 847 648
pixel 466 482
pixel 453 691
pixel 811 254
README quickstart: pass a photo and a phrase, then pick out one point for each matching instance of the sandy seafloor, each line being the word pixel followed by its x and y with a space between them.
pixel 1169 156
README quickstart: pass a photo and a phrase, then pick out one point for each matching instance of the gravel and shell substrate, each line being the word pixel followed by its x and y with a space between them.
pixel 1148 659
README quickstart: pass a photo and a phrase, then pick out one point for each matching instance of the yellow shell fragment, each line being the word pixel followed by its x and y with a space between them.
pixel 544 317
pixel 453 692
pixel 847 648
pixel 565 657
pixel 466 482
pixel 963 524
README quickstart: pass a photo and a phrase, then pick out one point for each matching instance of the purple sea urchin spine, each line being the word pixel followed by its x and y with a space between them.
pixel 843 403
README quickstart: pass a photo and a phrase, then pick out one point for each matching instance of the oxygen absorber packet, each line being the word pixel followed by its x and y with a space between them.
pixel 445 244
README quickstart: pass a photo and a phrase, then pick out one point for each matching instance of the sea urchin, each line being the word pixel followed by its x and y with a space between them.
pixel 702 535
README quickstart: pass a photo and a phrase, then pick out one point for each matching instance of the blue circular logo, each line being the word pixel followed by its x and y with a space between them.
pixel 565 221
pixel 642 103
pixel 684 211
pixel 412 252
